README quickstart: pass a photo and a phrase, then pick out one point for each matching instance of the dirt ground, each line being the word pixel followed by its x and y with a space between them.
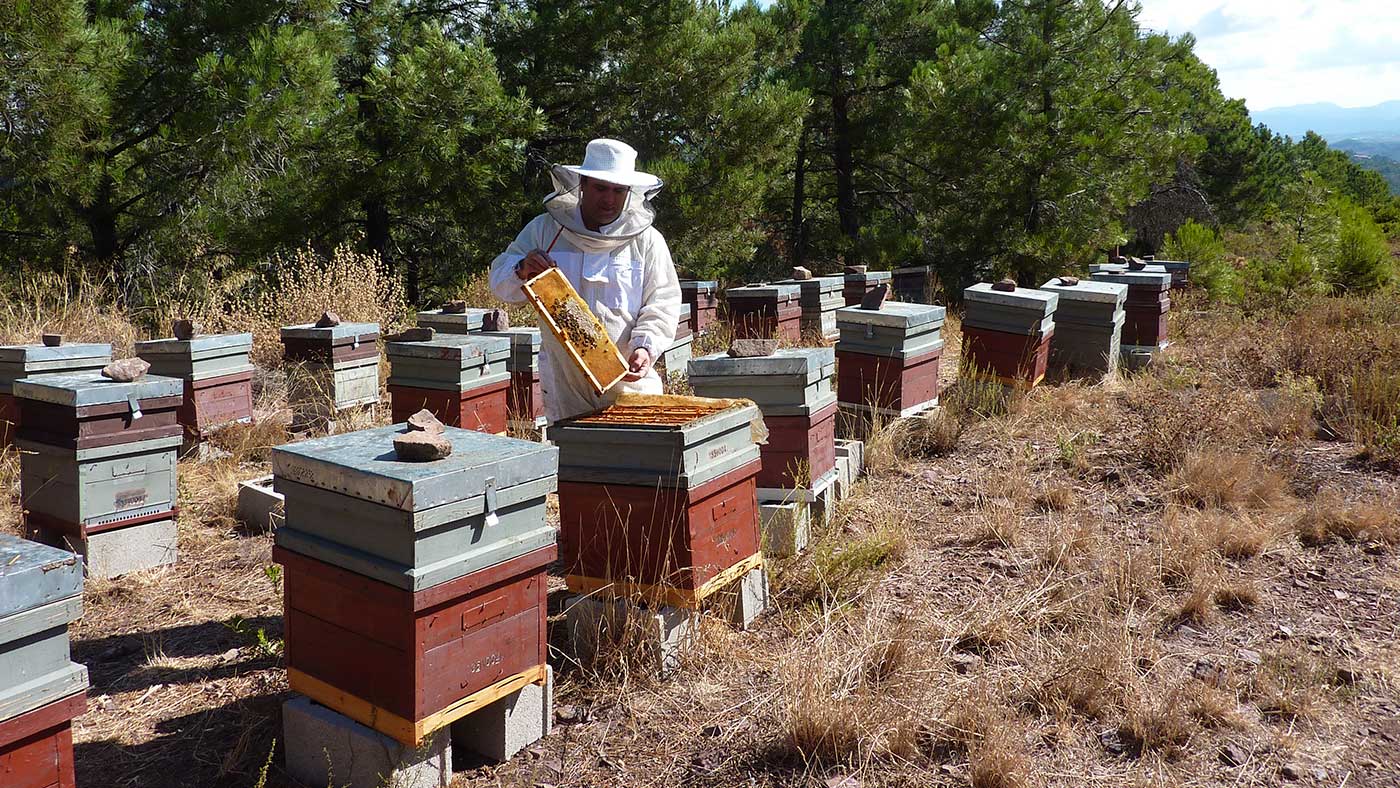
pixel 1165 580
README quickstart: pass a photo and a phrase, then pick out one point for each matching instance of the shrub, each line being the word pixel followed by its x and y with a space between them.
pixel 1203 248
pixel 1361 262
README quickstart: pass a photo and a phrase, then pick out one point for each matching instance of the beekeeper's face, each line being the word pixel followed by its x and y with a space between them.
pixel 601 202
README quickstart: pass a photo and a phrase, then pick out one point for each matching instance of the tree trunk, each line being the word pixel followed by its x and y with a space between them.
pixel 845 178
pixel 799 197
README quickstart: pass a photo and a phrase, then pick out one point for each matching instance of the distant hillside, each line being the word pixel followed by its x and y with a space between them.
pixel 1330 120
pixel 1388 168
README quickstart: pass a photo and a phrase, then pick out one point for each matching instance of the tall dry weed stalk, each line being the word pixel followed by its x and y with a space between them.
pixel 79 307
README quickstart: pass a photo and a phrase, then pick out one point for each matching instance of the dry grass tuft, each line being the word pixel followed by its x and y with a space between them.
pixel 1157 720
pixel 1055 498
pixel 1330 516
pixel 1236 597
pixel 1212 478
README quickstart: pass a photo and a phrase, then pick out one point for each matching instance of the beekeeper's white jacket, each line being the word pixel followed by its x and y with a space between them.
pixel 633 289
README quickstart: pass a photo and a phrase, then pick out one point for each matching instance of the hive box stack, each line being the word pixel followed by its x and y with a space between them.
pixel 1145 322
pixel 678 354
pixel 524 401
pixel 97 467
pixel 859 281
pixel 1007 333
pixel 1180 271
pixel 462 379
pixel 765 312
pixel 414 600
pixel 21 361
pixel 703 297
pixel 330 369
pixel 792 389
pixel 887 358
pixel 911 283
pixel 820 298
pixel 657 499
pixel 448 322
pixel 218 378
pixel 41 691
pixel 1088 326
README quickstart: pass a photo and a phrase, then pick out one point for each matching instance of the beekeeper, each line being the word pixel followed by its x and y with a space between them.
pixel 597 229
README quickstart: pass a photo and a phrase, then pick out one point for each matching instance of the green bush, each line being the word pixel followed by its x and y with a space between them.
pixel 1210 270
pixel 1362 261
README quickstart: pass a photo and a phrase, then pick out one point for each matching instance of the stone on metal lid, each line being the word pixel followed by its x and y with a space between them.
pixel 185 329
pixel 457 307
pixel 421 446
pixel 52 340
pixel 1069 281
pixel 328 320
pixel 801 274
pixel 425 421
pixel 855 269
pixel 875 298
pixel 126 370
pixel 495 320
pixel 1006 285
pixel 752 348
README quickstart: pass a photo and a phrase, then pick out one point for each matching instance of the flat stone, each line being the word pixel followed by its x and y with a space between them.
pixel 415 334
pixel 1136 264
pixel 752 348
pixel 875 298
pixel 1291 771
pixel 458 307
pixel 425 421
pixel 185 329
pixel 855 269
pixel 801 274
pixel 495 320
pixel 1069 281
pixel 52 340
pixel 126 370
pixel 421 446
pixel 328 320
pixel 1006 285
pixel 1233 755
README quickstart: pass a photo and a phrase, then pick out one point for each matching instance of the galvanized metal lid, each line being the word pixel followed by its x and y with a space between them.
pixel 822 284
pixel 33 574
pixel 201 344
pixel 469 320
pixel 363 465
pixel 780 291
pixel 523 336
pixel 1037 301
pixel 342 331
pixel 1098 292
pixel 36 354
pixel 914 269
pixel 470 350
pixel 895 314
pixel 788 361
pixel 699 285
pixel 868 276
pixel 1159 280
pixel 89 388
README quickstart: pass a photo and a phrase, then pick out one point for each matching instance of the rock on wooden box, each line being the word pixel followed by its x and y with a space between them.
pixel 765 312
pixel 888 359
pixel 42 593
pixel 462 379
pixel 442 322
pixel 659 492
pixel 413 525
pixel 524 400
pixel 1146 306
pixel 410 661
pixel 911 283
pixel 820 298
pixel 218 376
pixel 85 410
pixel 792 388
pixel 1088 326
pixel 703 297
pixel 857 284
pixel 20 361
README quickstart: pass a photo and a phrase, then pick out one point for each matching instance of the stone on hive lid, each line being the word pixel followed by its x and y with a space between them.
pixel 1136 264
pixel 422 446
pixel 457 307
pixel 495 320
pixel 126 370
pixel 1006 285
pixel 801 274
pixel 52 340
pixel 1084 292
pixel 875 298
pixel 855 269
pixel 425 421
pixel 1147 278
pixel 415 334
pixel 752 348
pixel 328 320
pixel 1069 281
pixel 80 389
pixel 185 329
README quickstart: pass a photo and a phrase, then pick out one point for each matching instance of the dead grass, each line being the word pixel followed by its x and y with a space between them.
pixel 1330 516
pixel 1211 478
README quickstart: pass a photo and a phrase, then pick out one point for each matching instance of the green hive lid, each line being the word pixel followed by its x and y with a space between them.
pixel 37 354
pixel 764 291
pixel 33 574
pixel 201 344
pixel 469 349
pixel 521 337
pixel 700 285
pixel 363 465
pixel 1158 280
pixel 788 361
pixel 1088 290
pixel 342 331
pixel 824 284
pixel 895 314
pixel 81 389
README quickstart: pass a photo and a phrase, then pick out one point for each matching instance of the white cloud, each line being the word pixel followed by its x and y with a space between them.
pixel 1276 53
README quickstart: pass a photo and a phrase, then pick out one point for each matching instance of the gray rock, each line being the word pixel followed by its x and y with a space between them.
pixel 425 421
pixel 1069 281
pixel 752 348
pixel 415 334
pixel 1136 264
pixel 1233 755
pixel 495 320
pixel 52 340
pixel 185 329
pixel 855 269
pixel 801 274
pixel 1006 285
pixel 328 320
pixel 421 446
pixel 458 307
pixel 875 298
pixel 1291 771
pixel 126 370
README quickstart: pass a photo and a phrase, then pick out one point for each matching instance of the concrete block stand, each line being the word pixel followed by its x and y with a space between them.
pixel 325 747
pixel 260 507
pixel 601 628
pixel 745 601
pixel 786 528
pixel 504 728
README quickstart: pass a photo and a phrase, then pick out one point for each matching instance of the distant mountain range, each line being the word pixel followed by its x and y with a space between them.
pixel 1370 134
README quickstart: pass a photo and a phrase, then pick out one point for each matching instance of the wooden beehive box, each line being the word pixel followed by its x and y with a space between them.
pixel 85 410
pixel 41 591
pixel 587 342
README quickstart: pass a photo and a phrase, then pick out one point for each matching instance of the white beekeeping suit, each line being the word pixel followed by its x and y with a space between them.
pixel 623 272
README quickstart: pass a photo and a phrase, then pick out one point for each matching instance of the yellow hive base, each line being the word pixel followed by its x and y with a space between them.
pixel 664 594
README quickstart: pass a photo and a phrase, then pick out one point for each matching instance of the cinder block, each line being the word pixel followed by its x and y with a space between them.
pixel 325 747
pixel 750 598
pixel 259 506
pixel 844 477
pixel 509 725
pixel 855 450
pixel 122 550
pixel 786 528
pixel 658 634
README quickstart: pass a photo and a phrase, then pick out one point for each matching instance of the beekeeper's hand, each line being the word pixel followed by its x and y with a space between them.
pixel 638 364
pixel 533 264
